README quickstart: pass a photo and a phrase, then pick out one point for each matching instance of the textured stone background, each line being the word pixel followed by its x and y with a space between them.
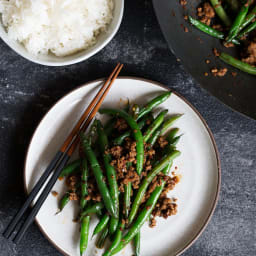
pixel 28 90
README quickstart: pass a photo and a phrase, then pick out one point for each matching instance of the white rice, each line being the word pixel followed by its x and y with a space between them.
pixel 61 27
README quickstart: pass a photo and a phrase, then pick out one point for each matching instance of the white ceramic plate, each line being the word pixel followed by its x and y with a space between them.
pixel 52 60
pixel 198 167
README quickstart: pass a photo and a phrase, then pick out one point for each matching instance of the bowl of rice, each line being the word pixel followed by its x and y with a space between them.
pixel 59 32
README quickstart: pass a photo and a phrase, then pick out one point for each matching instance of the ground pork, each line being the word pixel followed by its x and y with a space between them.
pixel 206 13
pixel 250 53
pixel 120 125
pixel 219 72
pixel 162 142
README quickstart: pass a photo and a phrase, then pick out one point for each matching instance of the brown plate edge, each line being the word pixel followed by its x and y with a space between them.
pixel 192 241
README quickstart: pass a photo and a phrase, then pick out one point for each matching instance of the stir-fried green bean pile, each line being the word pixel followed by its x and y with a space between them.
pixel 239 28
pixel 122 212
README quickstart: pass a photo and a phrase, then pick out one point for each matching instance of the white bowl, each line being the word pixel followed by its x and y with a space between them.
pixel 51 60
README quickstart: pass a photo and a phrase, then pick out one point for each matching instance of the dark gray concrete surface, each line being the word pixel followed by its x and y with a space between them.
pixel 28 90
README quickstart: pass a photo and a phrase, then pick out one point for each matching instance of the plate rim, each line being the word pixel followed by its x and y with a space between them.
pixel 201 230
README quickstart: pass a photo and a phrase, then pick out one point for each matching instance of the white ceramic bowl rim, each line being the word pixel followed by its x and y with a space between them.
pixel 51 60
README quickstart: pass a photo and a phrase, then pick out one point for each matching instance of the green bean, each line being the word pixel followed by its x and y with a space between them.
pixel 99 177
pixel 102 224
pixel 84 234
pixel 120 139
pixel 208 30
pixel 116 240
pixel 136 132
pixel 237 23
pixel 156 123
pixel 64 201
pixel 127 198
pixel 147 180
pixel 247 30
pixel 95 208
pixel 238 63
pixel 172 133
pixel 167 124
pixel 152 140
pixel 84 177
pixel 175 140
pixel 136 241
pixel 141 219
pixel 251 15
pixel 153 103
pixel 70 168
pixel 221 12
pixel 113 225
pixel 110 170
pixel 102 239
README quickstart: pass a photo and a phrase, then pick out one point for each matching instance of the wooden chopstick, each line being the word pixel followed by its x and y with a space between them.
pixel 57 163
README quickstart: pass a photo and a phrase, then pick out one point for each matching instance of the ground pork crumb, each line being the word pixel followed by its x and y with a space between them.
pixel 162 141
pixel 73 196
pixel 228 45
pixel 219 72
pixel 185 17
pixel 185 29
pixel 215 52
pixel 152 223
pixel 234 74
pixel 250 54
pixel 115 151
pixel 206 13
pixel 55 193
pixel 120 125
pixel 207 61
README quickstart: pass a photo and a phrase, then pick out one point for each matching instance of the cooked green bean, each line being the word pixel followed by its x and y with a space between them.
pixel 113 225
pixel 172 133
pixel 102 239
pixel 208 30
pixel 153 103
pixel 102 224
pixel 84 234
pixel 221 12
pixel 175 140
pixel 84 177
pixel 152 140
pixel 147 180
pixel 136 241
pixel 237 23
pixel 64 201
pixel 247 30
pixel 167 124
pixel 95 208
pixel 99 177
pixel 238 63
pixel 251 15
pixel 71 168
pixel 127 198
pixel 156 123
pixel 141 219
pixel 110 170
pixel 136 132
pixel 116 240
